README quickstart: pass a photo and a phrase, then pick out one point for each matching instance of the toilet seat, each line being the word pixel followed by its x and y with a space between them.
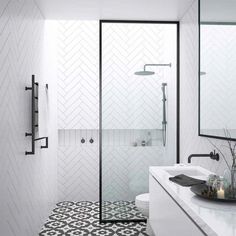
pixel 142 203
pixel 142 200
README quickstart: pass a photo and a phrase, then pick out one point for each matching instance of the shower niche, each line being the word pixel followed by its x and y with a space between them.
pixel 137 111
pixel 132 138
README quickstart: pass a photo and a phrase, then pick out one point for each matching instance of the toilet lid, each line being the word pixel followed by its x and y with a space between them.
pixel 142 200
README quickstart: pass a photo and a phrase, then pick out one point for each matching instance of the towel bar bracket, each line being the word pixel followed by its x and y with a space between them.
pixel 46 141
pixel 28 88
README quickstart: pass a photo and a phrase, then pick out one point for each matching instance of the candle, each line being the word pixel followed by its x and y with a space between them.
pixel 221 193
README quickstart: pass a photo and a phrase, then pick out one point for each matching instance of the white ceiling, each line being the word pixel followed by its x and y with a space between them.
pixel 114 9
pixel 218 10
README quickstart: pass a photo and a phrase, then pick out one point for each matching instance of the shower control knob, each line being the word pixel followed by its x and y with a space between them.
pixel 82 140
pixel 91 140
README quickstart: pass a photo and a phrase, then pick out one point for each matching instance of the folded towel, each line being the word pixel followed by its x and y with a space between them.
pixel 186 181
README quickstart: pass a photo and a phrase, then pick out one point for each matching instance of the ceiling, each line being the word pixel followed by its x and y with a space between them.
pixel 114 9
pixel 218 10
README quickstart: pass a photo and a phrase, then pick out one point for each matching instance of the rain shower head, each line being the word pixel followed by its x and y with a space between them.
pixel 146 72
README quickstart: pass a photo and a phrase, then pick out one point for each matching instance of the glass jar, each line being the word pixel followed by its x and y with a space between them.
pixel 230 176
pixel 211 179
pixel 233 179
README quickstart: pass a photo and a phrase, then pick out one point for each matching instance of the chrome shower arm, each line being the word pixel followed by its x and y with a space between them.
pixel 156 65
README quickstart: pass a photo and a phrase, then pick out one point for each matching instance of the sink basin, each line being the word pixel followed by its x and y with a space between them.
pixel 196 172
pixel 189 172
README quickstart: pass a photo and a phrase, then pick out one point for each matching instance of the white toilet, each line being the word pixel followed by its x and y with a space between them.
pixel 142 203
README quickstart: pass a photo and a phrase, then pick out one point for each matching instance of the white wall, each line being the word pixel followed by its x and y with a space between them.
pixel 77 57
pixel 132 103
pixel 77 63
pixel 27 183
pixel 218 86
pixel 190 142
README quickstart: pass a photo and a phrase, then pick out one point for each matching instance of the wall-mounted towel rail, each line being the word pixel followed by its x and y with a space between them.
pixel 34 112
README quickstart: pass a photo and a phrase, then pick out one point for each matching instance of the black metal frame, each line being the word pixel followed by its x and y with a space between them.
pixel 33 123
pixel 100 103
pixel 199 71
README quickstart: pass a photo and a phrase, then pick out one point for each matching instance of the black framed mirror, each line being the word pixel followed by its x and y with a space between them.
pixel 217 68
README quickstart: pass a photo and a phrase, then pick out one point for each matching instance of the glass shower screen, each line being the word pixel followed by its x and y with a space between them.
pixel 131 112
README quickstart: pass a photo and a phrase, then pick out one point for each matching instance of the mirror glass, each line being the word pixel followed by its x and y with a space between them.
pixel 217 69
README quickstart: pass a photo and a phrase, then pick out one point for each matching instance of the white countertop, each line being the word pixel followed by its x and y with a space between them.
pixel 214 218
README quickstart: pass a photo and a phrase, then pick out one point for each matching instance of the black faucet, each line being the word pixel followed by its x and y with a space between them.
pixel 212 155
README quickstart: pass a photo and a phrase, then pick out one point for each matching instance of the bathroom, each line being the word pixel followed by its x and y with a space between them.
pixel 98 98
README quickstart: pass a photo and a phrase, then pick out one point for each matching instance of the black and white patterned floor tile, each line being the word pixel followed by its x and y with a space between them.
pixel 82 218
pixel 120 210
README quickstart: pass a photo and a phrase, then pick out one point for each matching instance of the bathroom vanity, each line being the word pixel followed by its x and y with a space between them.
pixel 175 210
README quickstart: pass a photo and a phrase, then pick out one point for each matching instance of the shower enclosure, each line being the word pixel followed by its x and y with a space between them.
pixel 137 111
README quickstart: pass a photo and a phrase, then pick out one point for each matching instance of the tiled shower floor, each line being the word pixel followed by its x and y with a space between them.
pixel 82 218
pixel 120 210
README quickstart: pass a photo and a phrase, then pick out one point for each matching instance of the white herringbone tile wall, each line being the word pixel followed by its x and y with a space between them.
pixel 77 57
pixel 218 53
pixel 27 183
pixel 190 142
pixel 140 98
pixel 131 102
pixel 78 83
pixel 78 174
pixel 125 170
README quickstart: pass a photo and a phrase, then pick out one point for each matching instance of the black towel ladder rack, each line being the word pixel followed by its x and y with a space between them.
pixel 33 120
